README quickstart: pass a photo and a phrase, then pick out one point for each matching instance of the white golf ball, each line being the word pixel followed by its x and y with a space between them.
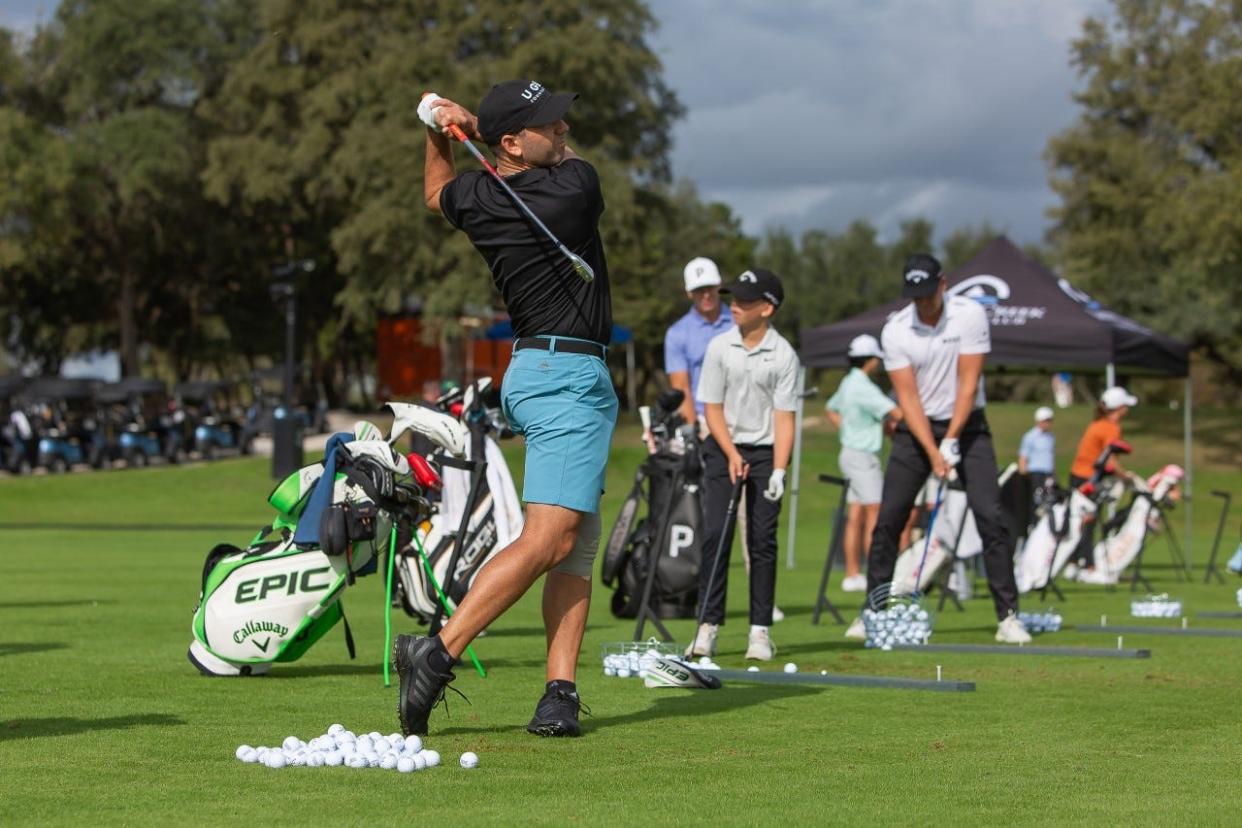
pixel 886 646
pixel 791 667
pixel 249 756
pixel 419 762
pixel 389 761
pixel 356 760
pixel 346 736
pixel 395 738
pixel 413 744
pixel 469 760
pixel 364 743
pixel 406 764
pixel 242 750
pixel 610 671
pixel 275 760
pixel 373 760
pixel 624 672
pixel 315 760
pixel 335 729
pixel 382 746
pixel 375 734
pixel 431 757
pixel 823 672
pixel 752 669
pixel 334 759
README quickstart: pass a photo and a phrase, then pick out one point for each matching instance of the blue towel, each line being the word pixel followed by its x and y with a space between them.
pixel 321 498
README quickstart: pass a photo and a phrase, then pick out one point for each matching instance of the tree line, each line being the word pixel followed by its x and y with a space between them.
pixel 159 159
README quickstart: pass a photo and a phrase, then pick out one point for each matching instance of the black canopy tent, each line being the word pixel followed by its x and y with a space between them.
pixel 1039 321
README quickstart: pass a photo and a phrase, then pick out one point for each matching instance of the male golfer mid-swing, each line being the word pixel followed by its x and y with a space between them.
pixel 557 390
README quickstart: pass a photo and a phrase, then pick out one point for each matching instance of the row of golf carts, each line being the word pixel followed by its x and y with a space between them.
pixel 56 423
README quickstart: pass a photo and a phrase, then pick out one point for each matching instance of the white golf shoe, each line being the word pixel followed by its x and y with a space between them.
pixel 759 646
pixel 854 583
pixel 777 615
pixel 1012 631
pixel 704 643
pixel 857 630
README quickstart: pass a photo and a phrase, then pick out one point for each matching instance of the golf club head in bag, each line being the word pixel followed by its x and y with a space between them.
pixel 672 672
pixel 441 429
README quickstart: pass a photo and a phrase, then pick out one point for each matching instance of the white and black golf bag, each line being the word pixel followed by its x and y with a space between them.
pixel 491 502
pixel 669 535
pixel 1053 539
pixel 1124 539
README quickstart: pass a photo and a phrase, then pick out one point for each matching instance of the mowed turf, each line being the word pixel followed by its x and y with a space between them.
pixel 103 720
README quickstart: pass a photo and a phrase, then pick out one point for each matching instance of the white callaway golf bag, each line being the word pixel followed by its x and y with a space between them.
pixel 1118 549
pixel 271 601
pixel 1053 539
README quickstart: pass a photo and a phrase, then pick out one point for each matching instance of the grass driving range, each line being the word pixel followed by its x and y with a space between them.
pixel 102 719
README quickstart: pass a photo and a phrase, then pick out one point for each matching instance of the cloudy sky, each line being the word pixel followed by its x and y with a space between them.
pixel 811 113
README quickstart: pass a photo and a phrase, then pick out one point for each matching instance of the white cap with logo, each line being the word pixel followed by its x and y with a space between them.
pixel 1043 413
pixel 701 272
pixel 865 345
pixel 1116 397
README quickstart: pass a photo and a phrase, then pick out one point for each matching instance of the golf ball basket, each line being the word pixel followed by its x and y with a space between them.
pixel 1156 606
pixel 896 620
pixel 635 656
pixel 1050 620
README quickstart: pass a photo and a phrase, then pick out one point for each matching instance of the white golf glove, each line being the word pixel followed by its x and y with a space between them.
pixel 951 451
pixel 776 486
pixel 426 113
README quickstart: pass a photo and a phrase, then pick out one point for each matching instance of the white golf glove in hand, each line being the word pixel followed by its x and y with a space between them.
pixel 426 113
pixel 951 451
pixel 776 486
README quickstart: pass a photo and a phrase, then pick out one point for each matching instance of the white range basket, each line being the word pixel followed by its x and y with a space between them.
pixel 901 620
pixel 1156 606
pixel 626 659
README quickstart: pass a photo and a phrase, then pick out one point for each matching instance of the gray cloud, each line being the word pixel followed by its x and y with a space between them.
pixel 815 113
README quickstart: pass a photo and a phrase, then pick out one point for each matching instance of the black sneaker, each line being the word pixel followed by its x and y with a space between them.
pixel 557 712
pixel 422 684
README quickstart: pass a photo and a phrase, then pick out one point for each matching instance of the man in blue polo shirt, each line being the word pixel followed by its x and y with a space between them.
pixel 685 343
pixel 1037 455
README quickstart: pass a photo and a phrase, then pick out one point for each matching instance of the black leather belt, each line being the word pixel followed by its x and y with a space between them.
pixel 568 346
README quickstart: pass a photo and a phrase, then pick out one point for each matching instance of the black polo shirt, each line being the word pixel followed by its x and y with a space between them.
pixel 538 284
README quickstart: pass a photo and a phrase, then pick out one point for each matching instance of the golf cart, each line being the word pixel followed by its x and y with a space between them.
pixel 209 419
pixel 64 421
pixel 17 447
pixel 310 413
pixel 138 422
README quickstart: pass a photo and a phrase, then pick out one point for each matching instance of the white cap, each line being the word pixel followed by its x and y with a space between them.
pixel 1116 397
pixel 701 272
pixel 1043 413
pixel 865 345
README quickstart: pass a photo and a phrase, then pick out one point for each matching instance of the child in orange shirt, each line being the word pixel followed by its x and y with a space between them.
pixel 1104 429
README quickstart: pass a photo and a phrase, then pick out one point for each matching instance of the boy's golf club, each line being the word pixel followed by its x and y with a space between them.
pixel 726 538
pixel 580 267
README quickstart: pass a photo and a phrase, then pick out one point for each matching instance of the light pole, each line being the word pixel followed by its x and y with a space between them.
pixel 286 431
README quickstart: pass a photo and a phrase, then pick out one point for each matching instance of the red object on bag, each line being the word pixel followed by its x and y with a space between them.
pixel 424 474
pixel 1087 489
pixel 455 409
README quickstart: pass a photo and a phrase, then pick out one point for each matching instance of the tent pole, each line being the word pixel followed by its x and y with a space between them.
pixel 630 393
pixel 1110 375
pixel 797 465
pixel 1188 428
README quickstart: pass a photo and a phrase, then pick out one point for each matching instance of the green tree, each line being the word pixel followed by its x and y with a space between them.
pixel 1150 176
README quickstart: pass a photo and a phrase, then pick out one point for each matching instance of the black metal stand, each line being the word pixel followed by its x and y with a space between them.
pixel 1175 552
pixel 478 479
pixel 1212 569
pixel 835 539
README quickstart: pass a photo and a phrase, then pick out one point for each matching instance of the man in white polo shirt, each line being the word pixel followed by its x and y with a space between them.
pixel 749 393
pixel 934 349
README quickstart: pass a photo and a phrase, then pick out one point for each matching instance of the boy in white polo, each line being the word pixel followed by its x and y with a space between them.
pixel 934 350
pixel 859 411
pixel 748 388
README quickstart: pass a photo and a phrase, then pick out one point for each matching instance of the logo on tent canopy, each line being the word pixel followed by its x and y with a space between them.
pixel 991 292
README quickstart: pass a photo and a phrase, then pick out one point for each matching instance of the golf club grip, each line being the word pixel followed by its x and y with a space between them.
pixel 828 478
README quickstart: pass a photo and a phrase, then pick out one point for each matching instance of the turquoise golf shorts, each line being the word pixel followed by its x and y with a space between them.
pixel 565 406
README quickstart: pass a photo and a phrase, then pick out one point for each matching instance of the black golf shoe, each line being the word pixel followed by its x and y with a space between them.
pixel 418 660
pixel 557 712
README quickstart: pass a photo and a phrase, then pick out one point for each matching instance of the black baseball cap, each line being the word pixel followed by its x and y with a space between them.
pixel 921 276
pixel 514 105
pixel 757 283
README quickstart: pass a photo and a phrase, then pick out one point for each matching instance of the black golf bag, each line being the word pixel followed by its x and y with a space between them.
pixel 669 535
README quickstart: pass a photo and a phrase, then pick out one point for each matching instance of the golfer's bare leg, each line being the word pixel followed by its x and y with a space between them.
pixel 547 539
pixel 566 601
pixel 853 538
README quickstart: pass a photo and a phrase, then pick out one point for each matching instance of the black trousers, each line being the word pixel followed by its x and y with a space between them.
pixel 908 468
pixel 762 517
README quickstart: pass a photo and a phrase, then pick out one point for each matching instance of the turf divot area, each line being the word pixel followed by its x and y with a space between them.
pixel 103 720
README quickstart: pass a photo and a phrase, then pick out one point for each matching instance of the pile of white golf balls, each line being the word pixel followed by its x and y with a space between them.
pixel 343 748
pixel 899 624
pixel 1156 606
pixel 1041 622
pixel 635 661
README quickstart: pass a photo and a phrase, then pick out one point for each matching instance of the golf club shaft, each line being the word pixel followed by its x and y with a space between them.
pixel 457 133
pixel 726 539
pixel 931 523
